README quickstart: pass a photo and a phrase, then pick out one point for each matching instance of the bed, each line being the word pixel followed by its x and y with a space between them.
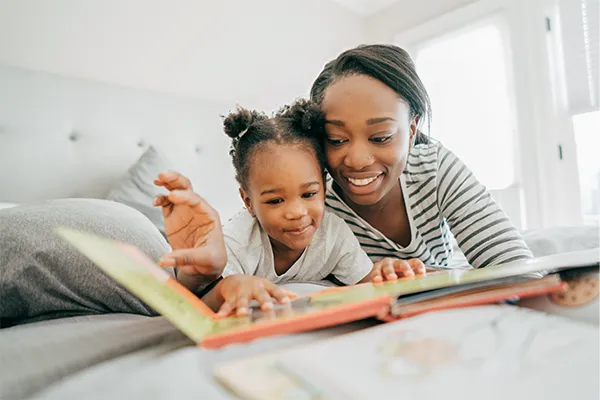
pixel 67 138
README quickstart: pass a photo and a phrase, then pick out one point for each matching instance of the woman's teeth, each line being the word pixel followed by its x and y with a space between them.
pixel 362 182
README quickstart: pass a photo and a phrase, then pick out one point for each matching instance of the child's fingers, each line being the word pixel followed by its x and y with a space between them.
pixel 161 200
pixel 243 297
pixel 262 296
pixel 187 197
pixel 173 180
pixel 227 307
pixel 241 305
pixel 191 199
pixel 417 266
pixel 280 294
pixel 195 258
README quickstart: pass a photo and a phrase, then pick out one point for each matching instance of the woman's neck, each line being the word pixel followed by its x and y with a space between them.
pixel 388 204
pixel 388 215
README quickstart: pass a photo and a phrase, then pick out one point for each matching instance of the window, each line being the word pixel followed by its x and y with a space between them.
pixel 579 59
pixel 466 75
pixel 587 138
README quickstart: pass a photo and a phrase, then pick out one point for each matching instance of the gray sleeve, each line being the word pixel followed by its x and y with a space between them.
pixel 483 232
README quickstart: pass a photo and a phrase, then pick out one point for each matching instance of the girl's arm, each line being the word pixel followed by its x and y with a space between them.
pixel 482 230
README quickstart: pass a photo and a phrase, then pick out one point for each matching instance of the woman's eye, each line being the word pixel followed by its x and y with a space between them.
pixel 381 139
pixel 309 195
pixel 335 142
pixel 274 201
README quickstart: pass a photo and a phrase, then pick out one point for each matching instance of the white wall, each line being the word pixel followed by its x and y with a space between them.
pixel 260 53
pixel 384 25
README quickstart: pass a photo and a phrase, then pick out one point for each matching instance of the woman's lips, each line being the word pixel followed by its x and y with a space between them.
pixel 364 185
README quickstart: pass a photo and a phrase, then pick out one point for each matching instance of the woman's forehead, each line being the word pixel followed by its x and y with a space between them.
pixel 356 95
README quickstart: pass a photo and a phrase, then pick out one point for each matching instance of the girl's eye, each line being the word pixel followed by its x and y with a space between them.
pixel 309 194
pixel 381 139
pixel 274 201
pixel 335 142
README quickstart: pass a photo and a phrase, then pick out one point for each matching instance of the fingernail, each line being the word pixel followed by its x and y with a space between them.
pixel 393 276
pixel 167 261
pixel 242 310
pixel 285 300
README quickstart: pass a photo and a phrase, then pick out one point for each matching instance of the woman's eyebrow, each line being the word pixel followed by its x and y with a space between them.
pixel 370 121
pixel 373 121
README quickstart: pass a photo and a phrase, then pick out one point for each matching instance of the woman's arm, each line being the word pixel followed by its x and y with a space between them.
pixel 482 230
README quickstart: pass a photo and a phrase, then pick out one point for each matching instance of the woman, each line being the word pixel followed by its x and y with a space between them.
pixel 404 195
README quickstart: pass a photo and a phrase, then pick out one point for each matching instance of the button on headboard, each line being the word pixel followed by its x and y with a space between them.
pixel 64 137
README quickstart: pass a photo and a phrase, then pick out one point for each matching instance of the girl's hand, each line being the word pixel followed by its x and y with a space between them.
pixel 390 269
pixel 193 229
pixel 236 292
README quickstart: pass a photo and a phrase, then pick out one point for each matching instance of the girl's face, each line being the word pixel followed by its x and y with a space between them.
pixel 369 131
pixel 286 194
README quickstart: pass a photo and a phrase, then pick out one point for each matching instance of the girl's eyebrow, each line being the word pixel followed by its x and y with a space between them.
pixel 277 190
pixel 308 184
pixel 269 191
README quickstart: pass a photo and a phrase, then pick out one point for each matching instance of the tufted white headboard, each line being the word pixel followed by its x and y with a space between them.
pixel 63 137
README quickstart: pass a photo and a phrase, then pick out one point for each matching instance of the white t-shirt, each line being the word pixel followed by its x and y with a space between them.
pixel 334 250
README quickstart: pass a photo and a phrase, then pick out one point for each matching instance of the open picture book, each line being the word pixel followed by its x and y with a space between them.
pixel 388 300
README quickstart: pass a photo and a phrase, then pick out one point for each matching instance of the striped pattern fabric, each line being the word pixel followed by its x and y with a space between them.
pixel 444 201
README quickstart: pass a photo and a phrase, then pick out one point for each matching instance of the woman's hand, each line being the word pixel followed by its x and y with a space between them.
pixel 193 229
pixel 390 269
pixel 236 292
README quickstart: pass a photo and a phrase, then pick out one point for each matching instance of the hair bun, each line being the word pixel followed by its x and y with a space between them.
pixel 305 115
pixel 237 123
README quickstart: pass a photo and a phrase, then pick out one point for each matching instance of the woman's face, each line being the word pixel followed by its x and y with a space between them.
pixel 369 130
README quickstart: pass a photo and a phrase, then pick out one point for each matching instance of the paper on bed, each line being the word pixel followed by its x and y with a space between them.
pixel 490 352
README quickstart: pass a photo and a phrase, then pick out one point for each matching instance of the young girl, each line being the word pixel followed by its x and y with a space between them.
pixel 285 235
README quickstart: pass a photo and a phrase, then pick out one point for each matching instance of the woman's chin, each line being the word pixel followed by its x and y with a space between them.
pixel 360 196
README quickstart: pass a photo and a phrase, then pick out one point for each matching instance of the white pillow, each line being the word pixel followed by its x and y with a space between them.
pixel 137 190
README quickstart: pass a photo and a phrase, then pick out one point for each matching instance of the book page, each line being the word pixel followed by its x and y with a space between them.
pixel 128 266
pixel 488 352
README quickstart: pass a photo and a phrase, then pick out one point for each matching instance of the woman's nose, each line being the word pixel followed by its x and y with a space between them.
pixel 358 157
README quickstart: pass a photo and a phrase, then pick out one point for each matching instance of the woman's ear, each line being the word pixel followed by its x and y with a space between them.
pixel 247 201
pixel 414 128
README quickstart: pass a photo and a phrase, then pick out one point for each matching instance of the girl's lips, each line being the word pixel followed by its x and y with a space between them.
pixel 298 232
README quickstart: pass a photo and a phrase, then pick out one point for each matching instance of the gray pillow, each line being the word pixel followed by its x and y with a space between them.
pixel 43 277
pixel 137 189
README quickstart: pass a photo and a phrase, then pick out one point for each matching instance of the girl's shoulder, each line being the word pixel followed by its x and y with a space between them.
pixel 242 229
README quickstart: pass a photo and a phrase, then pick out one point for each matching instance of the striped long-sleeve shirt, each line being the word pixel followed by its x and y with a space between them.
pixel 443 199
